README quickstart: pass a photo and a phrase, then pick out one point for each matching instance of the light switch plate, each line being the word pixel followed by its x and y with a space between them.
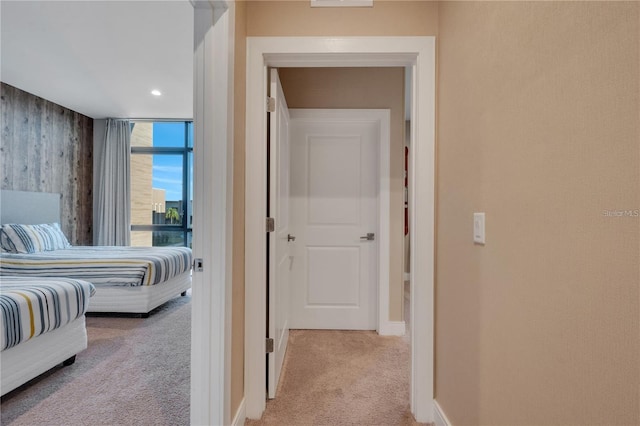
pixel 478 228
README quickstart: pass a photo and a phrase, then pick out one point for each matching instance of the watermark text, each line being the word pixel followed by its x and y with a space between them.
pixel 621 213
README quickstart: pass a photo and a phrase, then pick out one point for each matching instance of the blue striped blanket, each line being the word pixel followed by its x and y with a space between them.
pixel 113 266
pixel 33 306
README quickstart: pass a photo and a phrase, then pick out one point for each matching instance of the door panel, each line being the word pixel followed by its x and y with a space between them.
pixel 333 276
pixel 279 246
pixel 334 198
pixel 334 202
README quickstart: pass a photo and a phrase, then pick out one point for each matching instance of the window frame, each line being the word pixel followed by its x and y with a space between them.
pixel 185 151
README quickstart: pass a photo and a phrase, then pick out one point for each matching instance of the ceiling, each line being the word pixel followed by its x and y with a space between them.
pixel 101 58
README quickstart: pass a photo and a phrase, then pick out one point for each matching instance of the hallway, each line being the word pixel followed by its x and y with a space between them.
pixel 342 378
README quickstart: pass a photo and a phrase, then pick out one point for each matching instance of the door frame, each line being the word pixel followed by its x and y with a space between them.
pixel 383 118
pixel 214 28
pixel 279 281
pixel 415 52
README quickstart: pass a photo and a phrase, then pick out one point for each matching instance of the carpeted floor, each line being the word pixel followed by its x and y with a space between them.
pixel 134 372
pixel 342 378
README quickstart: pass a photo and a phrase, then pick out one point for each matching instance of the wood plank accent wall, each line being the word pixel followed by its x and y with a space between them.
pixel 48 148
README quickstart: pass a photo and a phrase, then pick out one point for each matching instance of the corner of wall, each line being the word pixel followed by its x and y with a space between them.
pixel 241 414
pixel 439 416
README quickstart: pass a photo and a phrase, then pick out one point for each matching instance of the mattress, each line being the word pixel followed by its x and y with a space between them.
pixel 32 307
pixel 112 266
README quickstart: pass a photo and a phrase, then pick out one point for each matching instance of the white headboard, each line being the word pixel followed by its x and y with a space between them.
pixel 29 207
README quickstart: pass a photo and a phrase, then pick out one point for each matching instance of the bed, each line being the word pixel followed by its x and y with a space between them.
pixel 132 280
pixel 42 323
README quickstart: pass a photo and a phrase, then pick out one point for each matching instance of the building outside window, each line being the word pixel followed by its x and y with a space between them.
pixel 161 183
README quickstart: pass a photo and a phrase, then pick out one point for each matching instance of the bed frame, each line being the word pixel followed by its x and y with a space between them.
pixel 41 207
pixel 140 299
pixel 30 359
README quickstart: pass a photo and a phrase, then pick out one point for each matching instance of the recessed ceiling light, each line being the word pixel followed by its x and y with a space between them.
pixel 156 92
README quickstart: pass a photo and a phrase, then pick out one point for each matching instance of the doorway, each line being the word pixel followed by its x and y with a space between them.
pixel 348 90
pixel 330 200
pixel 415 52
pixel 329 196
pixel 339 213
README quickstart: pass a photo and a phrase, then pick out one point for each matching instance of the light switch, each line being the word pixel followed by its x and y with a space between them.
pixel 478 228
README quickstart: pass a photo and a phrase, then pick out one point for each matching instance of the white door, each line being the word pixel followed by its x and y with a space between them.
pixel 279 244
pixel 334 206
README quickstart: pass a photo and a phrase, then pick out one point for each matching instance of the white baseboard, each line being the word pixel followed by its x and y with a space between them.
pixel 439 417
pixel 393 328
pixel 241 414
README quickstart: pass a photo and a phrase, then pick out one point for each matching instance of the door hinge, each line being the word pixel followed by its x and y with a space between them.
pixel 271 104
pixel 198 265
pixel 269 345
pixel 271 224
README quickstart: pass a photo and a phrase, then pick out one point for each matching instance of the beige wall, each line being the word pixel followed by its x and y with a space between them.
pixel 296 18
pixel 385 18
pixel 237 310
pixel 538 127
pixel 363 88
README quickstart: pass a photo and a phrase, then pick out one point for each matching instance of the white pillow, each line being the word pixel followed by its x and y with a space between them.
pixel 17 238
pixel 6 246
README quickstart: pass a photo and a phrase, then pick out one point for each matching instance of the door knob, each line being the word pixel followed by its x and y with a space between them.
pixel 369 237
pixel 291 237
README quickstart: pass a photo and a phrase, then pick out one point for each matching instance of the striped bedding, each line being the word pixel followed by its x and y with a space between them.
pixel 31 307
pixel 112 266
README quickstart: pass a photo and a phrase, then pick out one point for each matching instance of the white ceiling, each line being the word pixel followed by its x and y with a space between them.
pixel 101 58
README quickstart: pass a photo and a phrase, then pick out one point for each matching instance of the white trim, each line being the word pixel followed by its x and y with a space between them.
pixel 212 208
pixel 255 383
pixel 226 227
pixel 393 328
pixel 439 417
pixel 417 52
pixel 241 414
pixel 407 276
pixel 422 231
pixel 383 118
pixel 384 220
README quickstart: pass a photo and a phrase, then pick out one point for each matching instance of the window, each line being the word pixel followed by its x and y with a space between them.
pixel 161 183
